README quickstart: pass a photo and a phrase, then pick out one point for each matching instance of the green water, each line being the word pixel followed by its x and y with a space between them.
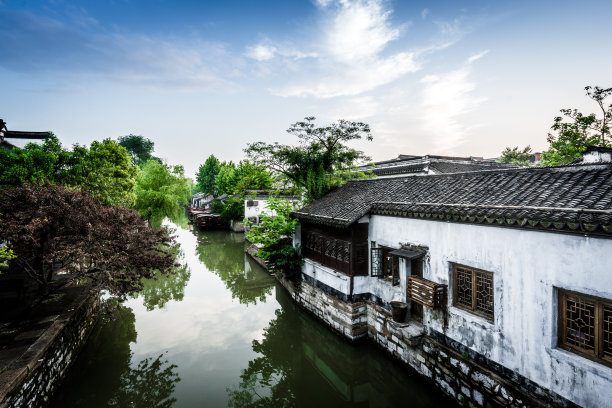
pixel 222 333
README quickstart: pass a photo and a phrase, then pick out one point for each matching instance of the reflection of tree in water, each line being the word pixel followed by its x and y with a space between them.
pixel 105 361
pixel 159 291
pixel 267 381
pixel 179 219
pixel 223 254
pixel 150 384
pixel 301 363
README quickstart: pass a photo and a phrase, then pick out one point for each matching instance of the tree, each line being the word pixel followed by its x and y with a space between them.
pixel 516 156
pixel 105 169
pixel 111 246
pixel 225 180
pixel 569 140
pixel 138 147
pixel 274 235
pixel 321 161
pixel 160 190
pixel 207 173
pixel 251 175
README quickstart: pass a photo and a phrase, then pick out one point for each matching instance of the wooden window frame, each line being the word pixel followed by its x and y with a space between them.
pixel 382 265
pixel 474 308
pixel 599 353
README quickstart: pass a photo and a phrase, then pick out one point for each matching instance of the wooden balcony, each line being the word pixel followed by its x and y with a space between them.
pixel 427 293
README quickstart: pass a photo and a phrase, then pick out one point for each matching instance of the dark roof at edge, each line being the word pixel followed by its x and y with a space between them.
pixel 574 198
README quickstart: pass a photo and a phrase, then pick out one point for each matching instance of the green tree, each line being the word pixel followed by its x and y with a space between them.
pixel 322 161
pixel 108 173
pixel 251 175
pixel 35 162
pixel 207 173
pixel 274 235
pixel 161 190
pixel 105 169
pixel 139 147
pixel 569 140
pixel 516 156
pixel 226 178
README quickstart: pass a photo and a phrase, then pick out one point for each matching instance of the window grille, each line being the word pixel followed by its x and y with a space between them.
pixel 376 260
pixel 328 251
pixel 585 325
pixel 473 290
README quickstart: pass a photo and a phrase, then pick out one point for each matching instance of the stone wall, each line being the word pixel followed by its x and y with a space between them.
pixel 32 378
pixel 461 373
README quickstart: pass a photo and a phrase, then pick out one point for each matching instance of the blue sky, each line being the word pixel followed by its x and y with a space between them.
pixel 208 77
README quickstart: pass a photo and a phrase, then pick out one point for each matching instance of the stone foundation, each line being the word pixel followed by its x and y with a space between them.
pixel 30 380
pixel 460 374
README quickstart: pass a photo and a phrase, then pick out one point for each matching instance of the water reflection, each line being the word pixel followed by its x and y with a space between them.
pixel 301 363
pixel 223 254
pixel 111 379
pixel 164 288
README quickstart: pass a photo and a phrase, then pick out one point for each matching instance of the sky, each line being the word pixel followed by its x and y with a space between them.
pixel 462 78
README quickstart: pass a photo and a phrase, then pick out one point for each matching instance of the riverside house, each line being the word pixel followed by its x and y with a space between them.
pixel 506 273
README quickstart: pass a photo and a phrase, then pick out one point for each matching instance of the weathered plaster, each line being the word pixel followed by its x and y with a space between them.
pixel 527 267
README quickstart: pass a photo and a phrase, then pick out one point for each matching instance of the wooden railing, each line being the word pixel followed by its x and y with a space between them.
pixel 427 293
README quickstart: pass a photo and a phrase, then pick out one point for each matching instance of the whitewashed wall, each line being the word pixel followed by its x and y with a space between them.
pixel 527 266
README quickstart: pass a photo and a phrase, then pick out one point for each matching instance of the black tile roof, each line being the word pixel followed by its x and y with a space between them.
pixel 575 198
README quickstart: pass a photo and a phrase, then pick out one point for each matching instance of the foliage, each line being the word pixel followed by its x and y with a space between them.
pixel 233 209
pixel 207 174
pixel 314 164
pixel 223 254
pixel 217 207
pixel 108 173
pixel 138 147
pixel 252 176
pixel 5 255
pixel 274 235
pixel 104 169
pixel 161 190
pixel 225 180
pixel 150 384
pixel 569 140
pixel 112 246
pixel 35 162
pixel 516 156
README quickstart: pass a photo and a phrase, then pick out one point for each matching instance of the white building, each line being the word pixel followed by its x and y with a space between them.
pixel 256 204
pixel 511 269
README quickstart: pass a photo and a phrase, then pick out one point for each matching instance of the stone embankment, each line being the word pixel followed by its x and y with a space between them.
pixel 37 352
pixel 469 378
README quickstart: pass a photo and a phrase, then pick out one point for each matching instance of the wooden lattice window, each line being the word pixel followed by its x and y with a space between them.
pixel 473 290
pixel 327 250
pixel 384 265
pixel 585 325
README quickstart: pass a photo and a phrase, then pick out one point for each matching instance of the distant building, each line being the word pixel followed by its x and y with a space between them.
pixel 256 203
pixel 408 165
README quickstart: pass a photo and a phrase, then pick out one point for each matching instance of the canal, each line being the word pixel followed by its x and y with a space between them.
pixel 222 333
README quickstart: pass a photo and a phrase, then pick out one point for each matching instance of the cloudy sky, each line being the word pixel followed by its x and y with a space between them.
pixel 207 77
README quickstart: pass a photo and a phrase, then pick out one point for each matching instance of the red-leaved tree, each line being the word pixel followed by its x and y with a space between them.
pixel 112 246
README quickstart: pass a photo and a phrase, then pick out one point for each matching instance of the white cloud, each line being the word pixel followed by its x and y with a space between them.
pixel 478 56
pixel 261 52
pixel 348 57
pixel 424 14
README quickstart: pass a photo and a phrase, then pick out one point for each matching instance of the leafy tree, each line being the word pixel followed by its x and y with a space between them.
pixel 207 173
pixel 112 246
pixel 569 140
pixel 139 147
pixel 225 180
pixel 35 162
pixel 161 191
pixel 233 209
pixel 252 175
pixel 105 169
pixel 321 160
pixel 274 235
pixel 516 156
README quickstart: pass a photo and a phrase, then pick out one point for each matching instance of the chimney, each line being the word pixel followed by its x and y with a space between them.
pixel 596 154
